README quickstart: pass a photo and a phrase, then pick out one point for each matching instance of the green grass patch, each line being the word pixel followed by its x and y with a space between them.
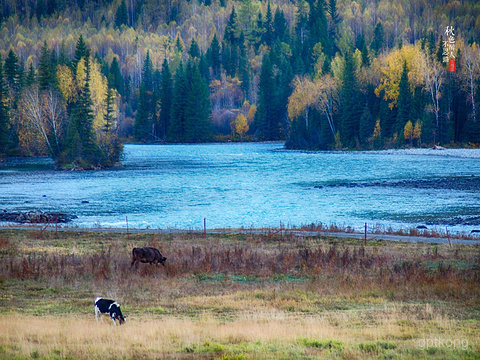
pixel 321 344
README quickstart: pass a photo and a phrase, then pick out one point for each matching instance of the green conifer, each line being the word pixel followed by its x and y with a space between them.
pixel 177 127
pixel 166 97
pixel 377 41
pixel 404 102
pixel 265 120
pixel 4 114
pixel 197 106
pixel 121 16
pixel 46 75
pixel 194 51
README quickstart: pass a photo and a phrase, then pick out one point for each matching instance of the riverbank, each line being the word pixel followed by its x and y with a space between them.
pixel 413 235
pixel 237 296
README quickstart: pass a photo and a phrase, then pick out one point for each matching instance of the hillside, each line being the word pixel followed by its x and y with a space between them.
pixel 319 74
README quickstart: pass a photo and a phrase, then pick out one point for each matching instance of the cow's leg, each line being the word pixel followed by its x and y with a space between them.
pixel 114 322
pixel 96 313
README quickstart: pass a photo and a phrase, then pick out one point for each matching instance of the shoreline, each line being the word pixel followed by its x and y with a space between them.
pixel 422 237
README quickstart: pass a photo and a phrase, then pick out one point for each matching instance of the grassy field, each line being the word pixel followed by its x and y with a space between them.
pixel 237 297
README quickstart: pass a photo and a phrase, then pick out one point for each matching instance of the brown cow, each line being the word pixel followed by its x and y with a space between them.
pixel 147 255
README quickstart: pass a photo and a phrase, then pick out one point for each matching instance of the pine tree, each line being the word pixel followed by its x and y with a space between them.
pixel 404 102
pixel 279 24
pixel 258 32
pixel 431 47
pixel 333 25
pixel 85 116
pixel 12 71
pixel 147 73
pixel 230 28
pixel 4 114
pixel 301 21
pixel 178 44
pixel 318 30
pixel 194 51
pixel 62 56
pixel 82 147
pixel 176 131
pixel 387 117
pixel 243 73
pixel 367 124
pixel 265 120
pixel 204 68
pixel 440 50
pixel 166 95
pixel 283 91
pixel 332 10
pixel 121 16
pixel 197 106
pixel 146 107
pixel 377 41
pixel 46 74
pixel 214 57
pixel 268 37
pixel 80 51
pixel 365 55
pixel 350 111
pixel 115 78
pixel 30 78
pixel 143 121
pixel 109 116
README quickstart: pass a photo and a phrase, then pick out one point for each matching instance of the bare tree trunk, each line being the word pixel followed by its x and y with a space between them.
pixel 33 112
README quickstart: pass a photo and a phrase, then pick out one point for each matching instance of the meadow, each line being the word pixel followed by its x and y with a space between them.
pixel 237 296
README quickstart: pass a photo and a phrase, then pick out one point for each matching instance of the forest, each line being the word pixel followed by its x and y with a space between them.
pixel 78 78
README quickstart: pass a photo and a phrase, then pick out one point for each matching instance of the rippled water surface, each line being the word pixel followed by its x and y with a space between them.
pixel 234 185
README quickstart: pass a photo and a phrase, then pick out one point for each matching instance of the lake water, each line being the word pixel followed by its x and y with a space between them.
pixel 250 185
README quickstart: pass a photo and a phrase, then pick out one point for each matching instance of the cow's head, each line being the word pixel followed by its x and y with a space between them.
pixel 162 260
pixel 119 317
pixel 116 313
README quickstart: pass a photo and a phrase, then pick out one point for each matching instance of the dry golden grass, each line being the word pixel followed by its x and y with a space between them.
pixel 82 337
pixel 233 297
pixel 259 331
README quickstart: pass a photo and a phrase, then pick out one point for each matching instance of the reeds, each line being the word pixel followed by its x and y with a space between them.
pixel 297 258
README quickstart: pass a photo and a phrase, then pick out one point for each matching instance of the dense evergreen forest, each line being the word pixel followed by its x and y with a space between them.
pixel 79 77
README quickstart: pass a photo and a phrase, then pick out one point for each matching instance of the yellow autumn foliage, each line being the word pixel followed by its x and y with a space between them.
pixel 392 67
pixel 66 83
pixel 417 130
pixel 241 125
pixel 408 131
pixel 98 90
pixel 251 113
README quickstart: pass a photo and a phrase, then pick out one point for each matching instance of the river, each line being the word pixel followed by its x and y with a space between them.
pixel 254 185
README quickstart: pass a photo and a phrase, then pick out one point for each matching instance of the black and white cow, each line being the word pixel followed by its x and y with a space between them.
pixel 111 307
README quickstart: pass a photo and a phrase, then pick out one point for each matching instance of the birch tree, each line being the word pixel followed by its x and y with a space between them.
pixel 55 116
pixel 470 74
pixel 320 94
pixel 304 97
pixel 434 75
pixel 32 113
